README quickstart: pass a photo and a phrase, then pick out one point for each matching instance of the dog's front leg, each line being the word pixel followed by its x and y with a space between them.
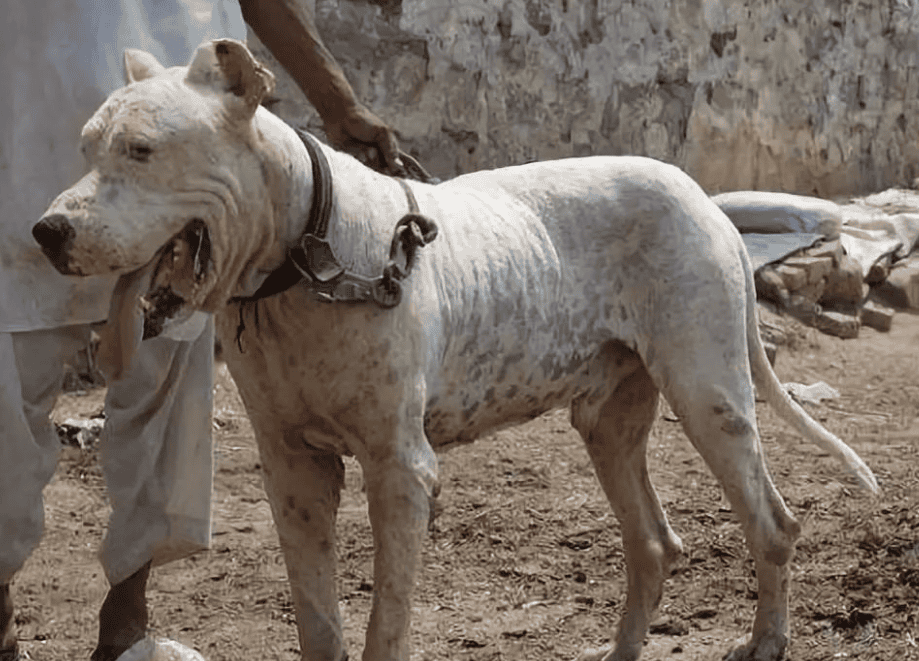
pixel 400 483
pixel 303 486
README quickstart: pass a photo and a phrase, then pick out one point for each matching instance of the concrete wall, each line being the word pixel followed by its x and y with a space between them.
pixel 807 96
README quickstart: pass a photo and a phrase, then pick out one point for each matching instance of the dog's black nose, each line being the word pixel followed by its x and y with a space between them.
pixel 54 234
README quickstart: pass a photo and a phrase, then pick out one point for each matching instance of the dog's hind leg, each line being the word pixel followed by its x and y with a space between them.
pixel 303 486
pixel 614 424
pixel 717 410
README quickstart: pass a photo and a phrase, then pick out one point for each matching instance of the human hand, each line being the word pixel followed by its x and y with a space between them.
pixel 366 137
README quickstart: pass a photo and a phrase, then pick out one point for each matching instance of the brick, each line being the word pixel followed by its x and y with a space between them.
pixel 832 249
pixel 810 292
pixel 901 289
pixel 816 268
pixel 845 284
pixel 837 323
pixel 876 315
pixel 793 277
pixel 770 286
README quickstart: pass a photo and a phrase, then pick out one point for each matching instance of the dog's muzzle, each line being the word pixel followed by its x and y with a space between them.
pixel 55 235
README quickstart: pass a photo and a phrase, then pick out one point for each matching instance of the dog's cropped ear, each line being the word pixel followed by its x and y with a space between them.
pixel 227 66
pixel 139 64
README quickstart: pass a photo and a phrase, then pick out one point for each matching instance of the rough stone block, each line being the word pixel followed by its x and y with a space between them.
pixel 845 285
pixel 811 292
pixel 803 309
pixel 832 249
pixel 771 325
pixel 876 315
pixel 816 268
pixel 901 289
pixel 837 323
pixel 793 277
pixel 770 285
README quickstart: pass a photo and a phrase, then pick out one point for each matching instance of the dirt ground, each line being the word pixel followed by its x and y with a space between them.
pixel 526 559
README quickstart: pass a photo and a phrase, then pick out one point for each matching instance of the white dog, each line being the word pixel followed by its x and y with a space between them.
pixel 596 283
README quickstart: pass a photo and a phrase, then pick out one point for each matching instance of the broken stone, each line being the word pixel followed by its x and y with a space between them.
pixel 832 249
pixel 797 282
pixel 669 626
pixel 815 268
pixel 809 294
pixel 803 309
pixel 839 324
pixel 773 327
pixel 845 285
pixel 772 334
pixel 901 289
pixel 770 285
pixel 793 278
pixel 876 315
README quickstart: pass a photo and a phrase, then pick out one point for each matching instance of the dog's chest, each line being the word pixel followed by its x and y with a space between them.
pixel 329 375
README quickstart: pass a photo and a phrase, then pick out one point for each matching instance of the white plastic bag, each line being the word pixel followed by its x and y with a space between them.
pixel 160 649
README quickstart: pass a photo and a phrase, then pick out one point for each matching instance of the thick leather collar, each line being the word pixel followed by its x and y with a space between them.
pixel 312 257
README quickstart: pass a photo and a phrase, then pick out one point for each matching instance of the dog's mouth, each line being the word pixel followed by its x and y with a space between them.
pixel 159 306
pixel 177 281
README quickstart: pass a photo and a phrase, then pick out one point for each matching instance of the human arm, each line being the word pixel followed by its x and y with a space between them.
pixel 288 30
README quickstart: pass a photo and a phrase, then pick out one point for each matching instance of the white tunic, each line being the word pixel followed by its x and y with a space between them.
pixel 60 59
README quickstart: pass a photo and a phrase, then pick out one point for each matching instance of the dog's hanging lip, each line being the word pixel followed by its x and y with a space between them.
pixel 122 331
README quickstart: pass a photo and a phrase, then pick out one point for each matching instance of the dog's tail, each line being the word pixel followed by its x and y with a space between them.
pixel 790 411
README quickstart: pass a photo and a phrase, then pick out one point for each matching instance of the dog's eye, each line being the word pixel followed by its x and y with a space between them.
pixel 139 151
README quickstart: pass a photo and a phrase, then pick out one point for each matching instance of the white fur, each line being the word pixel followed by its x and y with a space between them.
pixel 592 283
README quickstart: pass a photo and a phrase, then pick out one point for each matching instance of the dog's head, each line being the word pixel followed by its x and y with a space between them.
pixel 171 173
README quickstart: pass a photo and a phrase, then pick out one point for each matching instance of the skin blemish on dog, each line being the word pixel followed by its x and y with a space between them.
pixel 535 271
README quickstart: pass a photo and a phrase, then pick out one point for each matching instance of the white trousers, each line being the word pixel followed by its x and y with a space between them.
pixel 156 447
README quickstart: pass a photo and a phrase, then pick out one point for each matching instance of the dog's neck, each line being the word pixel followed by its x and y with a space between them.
pixel 365 204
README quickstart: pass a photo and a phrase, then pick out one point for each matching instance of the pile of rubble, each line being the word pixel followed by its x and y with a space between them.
pixel 82 433
pixel 833 266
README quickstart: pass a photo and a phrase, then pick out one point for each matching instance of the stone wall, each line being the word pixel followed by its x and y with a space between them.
pixel 807 96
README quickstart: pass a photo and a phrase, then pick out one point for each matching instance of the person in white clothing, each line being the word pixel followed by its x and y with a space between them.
pixel 60 59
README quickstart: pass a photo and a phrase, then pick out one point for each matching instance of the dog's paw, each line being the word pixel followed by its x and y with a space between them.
pixel 768 647
pixel 596 654
pixel 610 653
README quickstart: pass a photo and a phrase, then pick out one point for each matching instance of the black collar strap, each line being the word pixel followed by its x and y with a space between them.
pixel 312 258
